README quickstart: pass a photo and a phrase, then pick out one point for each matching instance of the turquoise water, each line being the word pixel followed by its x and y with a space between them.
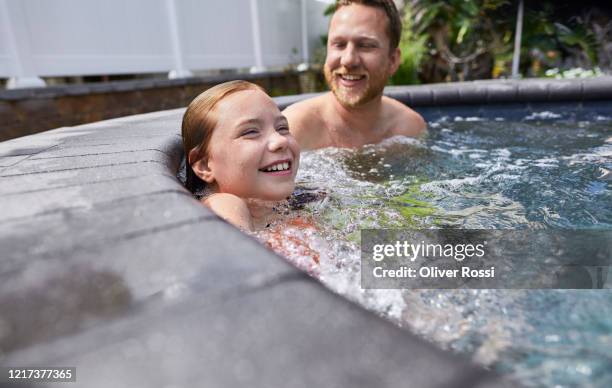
pixel 537 172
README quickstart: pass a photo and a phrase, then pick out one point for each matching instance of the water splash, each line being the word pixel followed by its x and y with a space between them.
pixel 480 174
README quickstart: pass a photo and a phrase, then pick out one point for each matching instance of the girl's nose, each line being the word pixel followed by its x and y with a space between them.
pixel 277 142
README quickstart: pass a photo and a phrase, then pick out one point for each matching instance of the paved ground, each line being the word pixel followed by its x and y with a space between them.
pixel 108 264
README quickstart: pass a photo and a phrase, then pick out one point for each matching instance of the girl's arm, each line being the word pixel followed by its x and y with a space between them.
pixel 232 209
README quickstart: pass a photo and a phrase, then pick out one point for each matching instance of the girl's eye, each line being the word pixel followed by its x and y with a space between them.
pixel 250 132
pixel 283 130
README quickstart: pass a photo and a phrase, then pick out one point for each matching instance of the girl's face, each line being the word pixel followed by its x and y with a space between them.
pixel 251 152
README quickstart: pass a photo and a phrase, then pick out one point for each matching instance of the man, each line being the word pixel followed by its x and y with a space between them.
pixel 362 53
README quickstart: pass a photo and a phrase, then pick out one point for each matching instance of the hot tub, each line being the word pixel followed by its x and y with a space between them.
pixel 109 265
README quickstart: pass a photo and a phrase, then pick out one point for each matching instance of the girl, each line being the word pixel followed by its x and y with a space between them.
pixel 239 149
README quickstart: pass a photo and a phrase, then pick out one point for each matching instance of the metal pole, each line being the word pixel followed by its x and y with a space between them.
pixel 516 57
pixel 179 70
pixel 304 17
pixel 258 68
pixel 18 47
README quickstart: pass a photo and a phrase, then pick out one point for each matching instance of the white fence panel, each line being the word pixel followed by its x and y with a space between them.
pixel 7 51
pixel 281 34
pixel 95 37
pixel 216 34
pixel 81 37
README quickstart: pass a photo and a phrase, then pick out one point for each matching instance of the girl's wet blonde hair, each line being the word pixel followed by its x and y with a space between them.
pixel 199 122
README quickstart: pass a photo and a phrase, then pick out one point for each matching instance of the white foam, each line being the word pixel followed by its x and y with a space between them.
pixel 546 162
pixel 503 152
pixel 450 184
pixel 545 115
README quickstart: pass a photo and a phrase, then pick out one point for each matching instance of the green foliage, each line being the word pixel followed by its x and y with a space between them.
pixel 458 40
pixel 330 9
pixel 413 53
pixel 461 36
pixel 413 47
pixel 473 39
pixel 580 37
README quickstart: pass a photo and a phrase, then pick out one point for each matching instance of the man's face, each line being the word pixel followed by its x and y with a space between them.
pixel 359 61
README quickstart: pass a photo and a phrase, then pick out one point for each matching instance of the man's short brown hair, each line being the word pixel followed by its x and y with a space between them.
pixel 394 28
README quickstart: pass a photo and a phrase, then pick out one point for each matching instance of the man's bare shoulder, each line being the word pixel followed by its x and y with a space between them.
pixel 306 120
pixel 305 111
pixel 404 120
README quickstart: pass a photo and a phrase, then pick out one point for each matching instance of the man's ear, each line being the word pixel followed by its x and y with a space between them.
pixel 396 58
pixel 200 168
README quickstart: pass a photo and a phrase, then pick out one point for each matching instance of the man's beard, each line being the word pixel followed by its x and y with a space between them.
pixel 374 87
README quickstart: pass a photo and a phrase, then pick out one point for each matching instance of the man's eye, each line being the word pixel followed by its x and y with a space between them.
pixel 338 44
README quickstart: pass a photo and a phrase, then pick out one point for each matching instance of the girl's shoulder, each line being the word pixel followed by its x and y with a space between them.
pixel 231 208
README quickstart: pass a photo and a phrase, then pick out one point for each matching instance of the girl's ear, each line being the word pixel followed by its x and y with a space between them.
pixel 200 168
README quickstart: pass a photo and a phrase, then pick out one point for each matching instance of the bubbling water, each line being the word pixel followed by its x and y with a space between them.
pixel 469 174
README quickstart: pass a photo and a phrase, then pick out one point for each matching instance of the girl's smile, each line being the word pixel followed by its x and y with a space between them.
pixel 278 168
